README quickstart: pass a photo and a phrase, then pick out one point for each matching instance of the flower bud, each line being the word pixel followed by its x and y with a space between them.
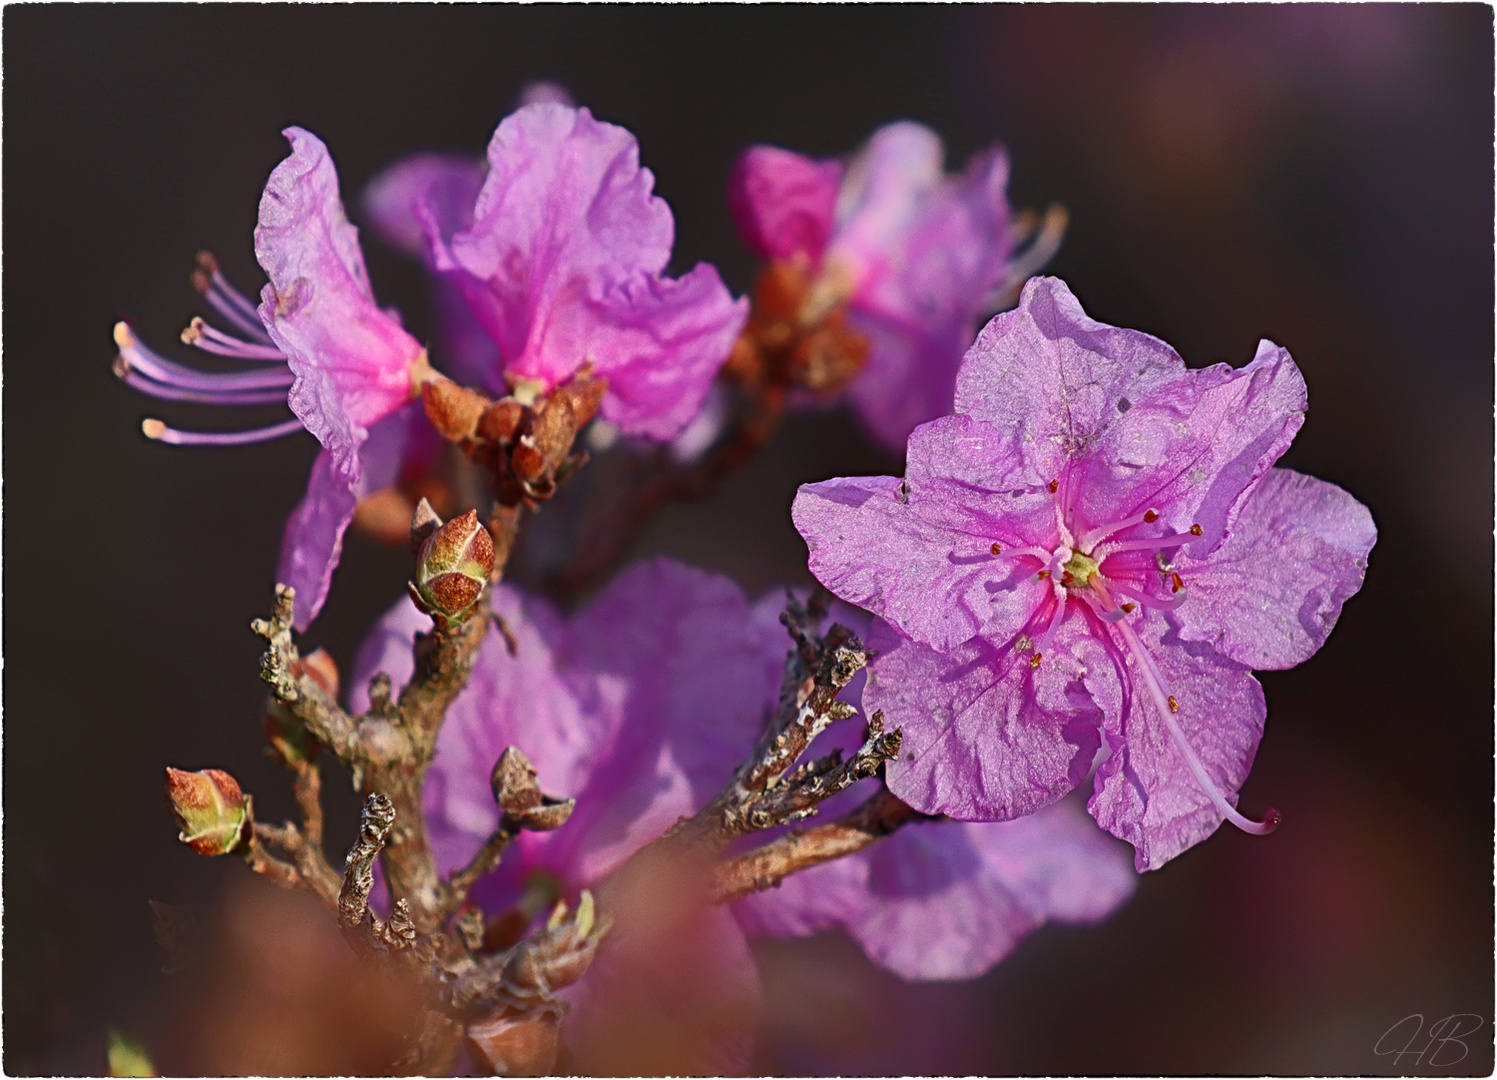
pixel 209 808
pixel 453 566
pixel 519 795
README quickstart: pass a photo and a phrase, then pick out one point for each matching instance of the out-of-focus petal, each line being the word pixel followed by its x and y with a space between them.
pixel 441 188
pixel 1271 594
pixel 352 360
pixel 783 203
pixel 881 194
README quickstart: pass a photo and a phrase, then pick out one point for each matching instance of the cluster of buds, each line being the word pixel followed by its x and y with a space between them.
pixel 797 334
pixel 523 440
pixel 210 809
pixel 453 562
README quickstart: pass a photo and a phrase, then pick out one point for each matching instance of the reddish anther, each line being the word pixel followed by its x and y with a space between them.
pixel 1196 530
pixel 1054 486
pixel 1176 584
pixel 1174 705
pixel 1151 516
pixel 997 548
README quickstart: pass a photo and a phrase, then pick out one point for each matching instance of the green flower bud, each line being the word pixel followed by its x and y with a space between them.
pixel 453 566
pixel 209 808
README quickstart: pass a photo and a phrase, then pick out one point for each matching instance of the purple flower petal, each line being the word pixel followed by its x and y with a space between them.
pixel 313 540
pixel 783 203
pixel 1145 792
pixel 945 900
pixel 891 546
pixel 1272 593
pixel 352 360
pixel 1118 417
pixel 404 197
pixel 562 267
pixel 986 737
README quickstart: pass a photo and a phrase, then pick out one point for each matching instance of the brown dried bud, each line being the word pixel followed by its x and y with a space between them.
pixel 528 461
pixel 453 566
pixel 453 410
pixel 501 420
pixel 524 1045
pixel 209 808
pixel 424 522
pixel 519 795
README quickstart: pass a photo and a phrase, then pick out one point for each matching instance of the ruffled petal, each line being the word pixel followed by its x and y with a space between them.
pixel 660 343
pixel 1145 792
pixel 562 267
pixel 893 547
pixel 1271 594
pixel 352 360
pixel 986 737
pixel 783 203
pixel 1117 416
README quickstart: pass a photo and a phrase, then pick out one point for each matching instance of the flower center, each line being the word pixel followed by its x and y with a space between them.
pixel 1077 572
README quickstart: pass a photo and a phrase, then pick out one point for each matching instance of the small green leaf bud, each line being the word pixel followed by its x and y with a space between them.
pixel 453 566
pixel 209 808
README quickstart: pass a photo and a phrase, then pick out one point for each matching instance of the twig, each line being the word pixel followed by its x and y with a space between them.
pixel 765 867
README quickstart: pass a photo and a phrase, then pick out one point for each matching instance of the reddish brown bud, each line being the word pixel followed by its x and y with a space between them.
pixel 528 462
pixel 501 420
pixel 209 808
pixel 524 1045
pixel 453 565
pixel 320 668
pixel 453 410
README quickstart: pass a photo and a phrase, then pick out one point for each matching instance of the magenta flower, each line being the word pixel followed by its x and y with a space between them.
pixel 1033 569
pixel 345 366
pixel 561 261
pixel 915 256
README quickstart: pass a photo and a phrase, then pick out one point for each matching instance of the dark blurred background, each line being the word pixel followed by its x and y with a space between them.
pixel 1320 175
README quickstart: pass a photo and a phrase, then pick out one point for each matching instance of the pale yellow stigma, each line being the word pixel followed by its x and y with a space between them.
pixel 1078 572
pixel 122 336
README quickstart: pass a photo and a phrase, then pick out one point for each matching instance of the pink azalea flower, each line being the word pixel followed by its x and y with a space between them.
pixel 561 261
pixel 915 255
pixel 1089 558
pixel 346 367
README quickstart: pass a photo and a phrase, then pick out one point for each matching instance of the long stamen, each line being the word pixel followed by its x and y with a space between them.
pixel 155 429
pixel 1151 543
pixel 162 370
pixel 209 339
pixel 136 381
pixel 228 301
pixel 1103 611
pixel 1167 705
pixel 1155 602
pixel 1102 532
pixel 1008 551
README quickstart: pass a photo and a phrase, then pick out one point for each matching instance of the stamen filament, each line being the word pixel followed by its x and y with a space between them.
pixel 1151 543
pixel 210 339
pixel 1152 601
pixel 1154 680
pixel 1102 532
pixel 155 429
pixel 1060 612
pixel 136 381
pixel 162 370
